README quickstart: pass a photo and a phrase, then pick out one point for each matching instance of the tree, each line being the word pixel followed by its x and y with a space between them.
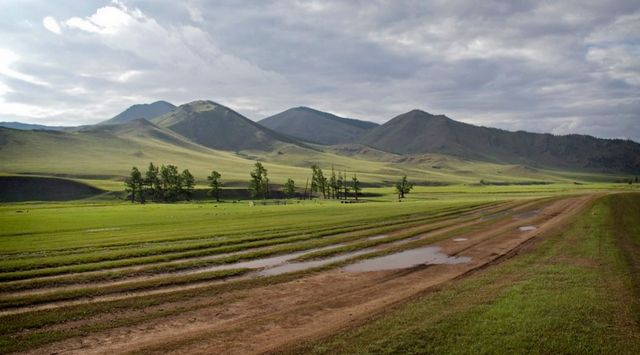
pixel 339 184
pixel 345 187
pixel 318 181
pixel 289 188
pixel 187 183
pixel 356 185
pixel 403 187
pixel 152 181
pixel 214 183
pixel 259 181
pixel 133 185
pixel 170 182
pixel 333 184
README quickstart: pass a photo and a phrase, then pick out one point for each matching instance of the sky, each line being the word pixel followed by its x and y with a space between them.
pixel 543 66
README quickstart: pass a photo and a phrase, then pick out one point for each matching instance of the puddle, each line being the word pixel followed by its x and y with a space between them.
pixel 527 228
pixel 376 237
pixel 493 216
pixel 406 259
pixel 526 214
pixel 459 239
pixel 304 265
pixel 102 230
pixel 268 262
pixel 406 240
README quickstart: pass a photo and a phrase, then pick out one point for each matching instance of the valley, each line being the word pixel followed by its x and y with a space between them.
pixel 83 270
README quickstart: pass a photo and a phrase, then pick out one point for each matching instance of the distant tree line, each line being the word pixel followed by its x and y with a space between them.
pixel 167 184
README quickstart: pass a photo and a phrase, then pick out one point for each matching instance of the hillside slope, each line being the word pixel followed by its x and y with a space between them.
pixel 418 132
pixel 31 126
pixel 219 127
pixel 147 111
pixel 316 126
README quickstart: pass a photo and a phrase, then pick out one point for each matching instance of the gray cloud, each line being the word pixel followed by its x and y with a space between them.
pixel 562 67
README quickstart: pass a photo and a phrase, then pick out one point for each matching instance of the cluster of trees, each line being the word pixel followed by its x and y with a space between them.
pixel 166 184
pixel 160 184
pixel 336 186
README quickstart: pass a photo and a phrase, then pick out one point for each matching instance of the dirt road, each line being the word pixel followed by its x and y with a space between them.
pixel 276 317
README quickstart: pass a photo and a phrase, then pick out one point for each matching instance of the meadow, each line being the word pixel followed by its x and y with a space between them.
pixel 85 262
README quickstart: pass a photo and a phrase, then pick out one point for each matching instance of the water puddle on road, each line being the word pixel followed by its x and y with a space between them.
pixel 267 262
pixel 459 239
pixel 406 259
pixel 493 216
pixel 526 214
pixel 527 228
pixel 304 265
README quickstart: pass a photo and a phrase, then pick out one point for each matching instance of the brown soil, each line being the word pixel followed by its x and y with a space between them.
pixel 278 317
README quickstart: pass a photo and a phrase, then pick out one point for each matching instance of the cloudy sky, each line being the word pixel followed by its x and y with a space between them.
pixel 545 66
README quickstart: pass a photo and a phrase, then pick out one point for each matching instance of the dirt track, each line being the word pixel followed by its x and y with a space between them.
pixel 279 316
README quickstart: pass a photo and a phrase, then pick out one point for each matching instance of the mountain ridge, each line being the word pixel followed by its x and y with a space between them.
pixel 147 111
pixel 219 127
pixel 419 132
pixel 316 126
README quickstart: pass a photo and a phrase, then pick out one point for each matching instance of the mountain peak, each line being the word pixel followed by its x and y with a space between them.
pixel 316 126
pixel 147 111
pixel 216 126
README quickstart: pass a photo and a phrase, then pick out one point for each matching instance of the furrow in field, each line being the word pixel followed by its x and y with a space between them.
pixel 172 262
pixel 404 236
pixel 42 267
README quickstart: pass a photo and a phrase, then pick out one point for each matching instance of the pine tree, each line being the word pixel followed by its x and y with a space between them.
pixel 289 188
pixel 152 181
pixel 214 183
pixel 187 184
pixel 134 185
pixel 356 185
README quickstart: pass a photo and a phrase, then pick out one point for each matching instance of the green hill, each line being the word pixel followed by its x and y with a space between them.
pixel 219 127
pixel 418 132
pixel 147 111
pixel 316 126
pixel 30 126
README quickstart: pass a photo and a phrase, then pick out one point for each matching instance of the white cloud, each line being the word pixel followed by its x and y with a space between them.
pixel 7 60
pixel 106 20
pixel 51 24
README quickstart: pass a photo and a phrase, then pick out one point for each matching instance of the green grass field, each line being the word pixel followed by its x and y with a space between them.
pixel 79 250
pixel 576 292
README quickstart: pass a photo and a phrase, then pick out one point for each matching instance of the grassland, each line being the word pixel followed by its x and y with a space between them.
pixel 576 292
pixel 107 263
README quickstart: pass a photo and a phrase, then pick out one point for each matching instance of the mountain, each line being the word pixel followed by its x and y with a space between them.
pixel 418 132
pixel 30 127
pixel 219 127
pixel 316 126
pixel 147 111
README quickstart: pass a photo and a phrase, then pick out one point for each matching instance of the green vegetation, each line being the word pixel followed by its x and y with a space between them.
pixel 403 187
pixel 576 292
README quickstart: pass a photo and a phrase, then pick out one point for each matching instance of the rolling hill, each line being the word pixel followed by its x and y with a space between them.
pixel 316 126
pixel 147 111
pixel 418 132
pixel 31 127
pixel 219 127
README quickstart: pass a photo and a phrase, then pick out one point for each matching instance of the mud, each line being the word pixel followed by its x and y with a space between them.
pixel 406 259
